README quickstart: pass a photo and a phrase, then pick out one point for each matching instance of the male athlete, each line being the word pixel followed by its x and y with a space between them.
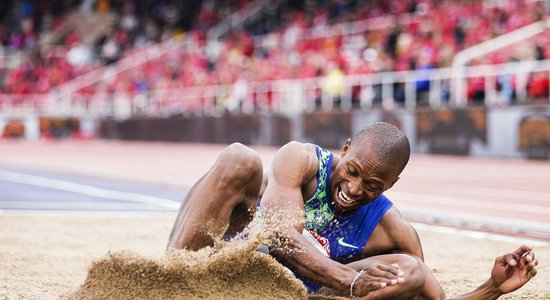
pixel 352 240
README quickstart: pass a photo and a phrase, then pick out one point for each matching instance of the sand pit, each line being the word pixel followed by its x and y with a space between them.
pixel 127 275
pixel 48 255
pixel 228 270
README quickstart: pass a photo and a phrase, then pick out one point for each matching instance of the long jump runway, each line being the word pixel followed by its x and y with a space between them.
pixel 504 196
pixel 24 189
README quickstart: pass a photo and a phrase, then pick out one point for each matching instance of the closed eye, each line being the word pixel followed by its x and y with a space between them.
pixel 372 187
pixel 352 172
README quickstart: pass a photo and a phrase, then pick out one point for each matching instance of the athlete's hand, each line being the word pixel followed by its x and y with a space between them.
pixel 512 270
pixel 377 277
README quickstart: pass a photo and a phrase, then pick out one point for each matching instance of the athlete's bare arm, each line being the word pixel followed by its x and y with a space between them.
pixel 394 235
pixel 293 166
pixel 510 272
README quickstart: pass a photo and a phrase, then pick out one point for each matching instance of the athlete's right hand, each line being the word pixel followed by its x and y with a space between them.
pixel 377 277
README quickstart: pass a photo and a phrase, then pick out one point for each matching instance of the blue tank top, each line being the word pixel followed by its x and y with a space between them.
pixel 343 235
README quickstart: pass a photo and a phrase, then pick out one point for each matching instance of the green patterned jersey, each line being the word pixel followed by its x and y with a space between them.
pixel 318 213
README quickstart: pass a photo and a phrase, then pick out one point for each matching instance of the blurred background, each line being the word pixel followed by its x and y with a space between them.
pixel 110 111
pixel 458 77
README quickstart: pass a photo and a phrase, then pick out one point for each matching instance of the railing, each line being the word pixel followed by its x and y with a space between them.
pixel 463 57
pixel 387 90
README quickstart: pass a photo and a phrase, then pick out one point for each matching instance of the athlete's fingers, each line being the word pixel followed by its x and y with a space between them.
pixel 529 257
pixel 393 269
pixel 377 277
pixel 510 259
pixel 513 258
pixel 523 249
pixel 535 262
pixel 390 272
pixel 375 285
pixel 366 284
pixel 386 274
pixel 530 261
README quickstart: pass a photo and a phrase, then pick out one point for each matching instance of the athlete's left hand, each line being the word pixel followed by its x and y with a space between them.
pixel 513 270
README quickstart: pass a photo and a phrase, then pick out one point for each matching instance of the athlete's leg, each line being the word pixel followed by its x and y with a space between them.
pixel 418 282
pixel 221 202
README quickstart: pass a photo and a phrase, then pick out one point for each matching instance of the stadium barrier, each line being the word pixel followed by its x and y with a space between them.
pixel 516 131
pixel 321 110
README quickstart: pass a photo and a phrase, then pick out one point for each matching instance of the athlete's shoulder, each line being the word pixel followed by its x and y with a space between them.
pixel 297 150
pixel 296 159
pixel 297 146
pixel 393 220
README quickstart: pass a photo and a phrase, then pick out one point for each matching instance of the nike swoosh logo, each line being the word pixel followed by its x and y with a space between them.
pixel 341 242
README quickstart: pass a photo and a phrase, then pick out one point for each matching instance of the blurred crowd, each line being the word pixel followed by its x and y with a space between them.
pixel 288 39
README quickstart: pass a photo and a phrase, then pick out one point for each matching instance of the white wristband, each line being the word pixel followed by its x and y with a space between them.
pixel 351 294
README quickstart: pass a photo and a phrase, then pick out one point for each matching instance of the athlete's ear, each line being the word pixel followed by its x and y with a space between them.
pixel 345 148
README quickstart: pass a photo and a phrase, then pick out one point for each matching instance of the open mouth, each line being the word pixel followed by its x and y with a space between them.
pixel 345 200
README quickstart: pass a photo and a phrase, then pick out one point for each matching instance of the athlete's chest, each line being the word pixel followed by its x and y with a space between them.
pixel 352 235
pixel 309 188
pixel 342 238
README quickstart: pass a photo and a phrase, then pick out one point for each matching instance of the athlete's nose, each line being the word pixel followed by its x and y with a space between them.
pixel 355 188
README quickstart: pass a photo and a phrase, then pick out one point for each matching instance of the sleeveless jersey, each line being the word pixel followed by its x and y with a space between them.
pixel 342 236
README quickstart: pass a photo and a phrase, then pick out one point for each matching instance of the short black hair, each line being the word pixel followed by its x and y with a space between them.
pixel 389 142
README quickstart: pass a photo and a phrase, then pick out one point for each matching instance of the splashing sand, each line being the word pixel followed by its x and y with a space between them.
pixel 228 270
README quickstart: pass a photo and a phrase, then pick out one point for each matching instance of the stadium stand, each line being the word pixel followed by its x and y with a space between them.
pixel 344 54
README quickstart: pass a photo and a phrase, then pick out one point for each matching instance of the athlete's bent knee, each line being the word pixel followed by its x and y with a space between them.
pixel 413 267
pixel 414 276
pixel 239 164
pixel 416 269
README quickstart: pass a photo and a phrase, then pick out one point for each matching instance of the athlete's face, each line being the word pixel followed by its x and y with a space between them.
pixel 360 177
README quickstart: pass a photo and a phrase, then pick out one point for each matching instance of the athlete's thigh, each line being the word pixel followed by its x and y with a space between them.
pixel 211 205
